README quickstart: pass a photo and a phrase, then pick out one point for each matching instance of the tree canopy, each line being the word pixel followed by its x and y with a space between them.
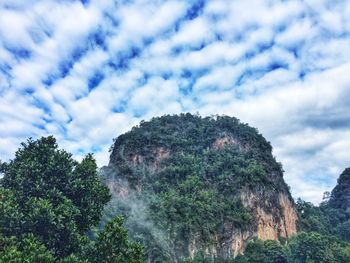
pixel 49 202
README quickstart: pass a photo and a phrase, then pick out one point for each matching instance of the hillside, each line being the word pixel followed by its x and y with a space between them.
pixel 340 196
pixel 330 218
pixel 189 184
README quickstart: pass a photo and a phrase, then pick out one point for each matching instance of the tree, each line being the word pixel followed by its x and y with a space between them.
pixel 314 247
pixel 112 245
pixel 258 251
pixel 47 193
pixel 323 219
pixel 11 215
pixel 343 230
pixel 26 249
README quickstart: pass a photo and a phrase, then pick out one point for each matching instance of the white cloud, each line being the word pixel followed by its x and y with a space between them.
pixel 142 20
pixel 219 78
pixel 296 34
pixel 14 29
pixel 157 96
pixel 193 33
pixel 282 66
pixel 218 52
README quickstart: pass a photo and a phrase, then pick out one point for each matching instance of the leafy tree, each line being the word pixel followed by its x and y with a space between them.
pixel 48 202
pixel 316 248
pixel 201 257
pixel 302 248
pixel 258 251
pixel 49 194
pixel 323 219
pixel 343 230
pixel 24 249
pixel 112 245
pixel 311 218
pixel 11 215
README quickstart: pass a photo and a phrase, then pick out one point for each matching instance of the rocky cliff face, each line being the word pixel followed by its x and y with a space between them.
pixel 213 182
pixel 271 223
pixel 340 196
pixel 278 221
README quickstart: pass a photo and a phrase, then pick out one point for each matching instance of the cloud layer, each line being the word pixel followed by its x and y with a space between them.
pixel 87 71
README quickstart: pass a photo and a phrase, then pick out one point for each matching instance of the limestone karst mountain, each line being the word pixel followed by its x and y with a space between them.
pixel 191 185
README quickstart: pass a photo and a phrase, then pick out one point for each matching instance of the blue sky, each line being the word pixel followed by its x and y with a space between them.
pixel 87 71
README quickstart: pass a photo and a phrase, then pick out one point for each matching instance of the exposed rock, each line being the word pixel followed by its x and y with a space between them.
pixel 271 225
pixel 289 216
pixel 136 159
pixel 225 140
pixel 239 238
pixel 160 154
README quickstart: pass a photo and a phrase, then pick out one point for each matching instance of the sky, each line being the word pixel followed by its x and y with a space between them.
pixel 87 71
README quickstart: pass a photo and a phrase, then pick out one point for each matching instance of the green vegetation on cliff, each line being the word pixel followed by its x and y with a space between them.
pixel 324 233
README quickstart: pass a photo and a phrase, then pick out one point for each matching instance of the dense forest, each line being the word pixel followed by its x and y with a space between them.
pixel 178 188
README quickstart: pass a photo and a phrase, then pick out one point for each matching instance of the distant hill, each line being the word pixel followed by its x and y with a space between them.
pixel 332 217
pixel 340 196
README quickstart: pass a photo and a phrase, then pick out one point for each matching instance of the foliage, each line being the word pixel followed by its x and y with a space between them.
pixel 41 170
pixel 27 248
pixel 314 247
pixel 201 257
pixel 48 203
pixel 302 248
pixel 11 215
pixel 326 228
pixel 258 251
pixel 323 219
pixel 112 245
pixel 342 230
